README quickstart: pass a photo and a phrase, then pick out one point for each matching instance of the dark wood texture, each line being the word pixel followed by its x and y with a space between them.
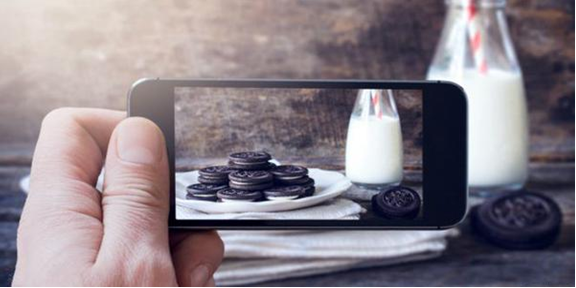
pixel 288 123
pixel 78 53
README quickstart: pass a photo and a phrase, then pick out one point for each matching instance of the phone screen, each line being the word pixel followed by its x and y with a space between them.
pixel 298 154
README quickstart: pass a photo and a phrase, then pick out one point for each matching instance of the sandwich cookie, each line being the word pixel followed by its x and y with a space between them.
pixel 204 192
pixel 289 175
pixel 289 172
pixel 284 193
pixel 236 195
pixel 250 160
pixel 258 166
pixel 214 175
pixel 309 188
pixel 518 220
pixel 399 202
pixel 250 180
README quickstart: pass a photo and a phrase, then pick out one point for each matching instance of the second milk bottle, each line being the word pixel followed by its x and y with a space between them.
pixel 475 51
pixel 374 154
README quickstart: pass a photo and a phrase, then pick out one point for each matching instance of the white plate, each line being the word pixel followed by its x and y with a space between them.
pixel 329 184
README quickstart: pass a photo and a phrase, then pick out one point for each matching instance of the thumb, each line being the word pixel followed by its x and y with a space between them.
pixel 135 200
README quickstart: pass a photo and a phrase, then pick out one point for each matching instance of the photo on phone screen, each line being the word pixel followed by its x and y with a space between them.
pixel 298 154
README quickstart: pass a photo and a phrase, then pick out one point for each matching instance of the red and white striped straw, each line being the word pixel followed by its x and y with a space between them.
pixel 376 102
pixel 474 34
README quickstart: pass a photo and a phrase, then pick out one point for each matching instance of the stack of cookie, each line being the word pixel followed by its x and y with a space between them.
pixel 291 175
pixel 249 176
pixel 251 160
pixel 214 175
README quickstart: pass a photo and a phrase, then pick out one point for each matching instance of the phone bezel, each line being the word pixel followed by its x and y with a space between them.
pixel 444 148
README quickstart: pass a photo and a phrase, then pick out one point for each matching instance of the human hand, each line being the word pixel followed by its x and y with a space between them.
pixel 70 234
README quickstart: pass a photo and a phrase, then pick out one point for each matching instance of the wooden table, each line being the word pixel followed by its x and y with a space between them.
pixel 468 261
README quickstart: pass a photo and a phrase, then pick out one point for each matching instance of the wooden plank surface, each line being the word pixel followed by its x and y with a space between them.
pixel 288 123
pixel 77 53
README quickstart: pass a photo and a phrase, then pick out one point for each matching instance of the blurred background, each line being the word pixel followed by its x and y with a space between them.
pixel 88 53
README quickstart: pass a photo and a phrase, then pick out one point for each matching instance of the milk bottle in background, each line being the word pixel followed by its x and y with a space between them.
pixel 374 155
pixel 476 52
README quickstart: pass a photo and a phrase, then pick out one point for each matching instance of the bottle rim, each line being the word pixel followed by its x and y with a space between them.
pixel 479 3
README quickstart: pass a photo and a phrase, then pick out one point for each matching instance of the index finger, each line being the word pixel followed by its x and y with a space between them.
pixel 67 161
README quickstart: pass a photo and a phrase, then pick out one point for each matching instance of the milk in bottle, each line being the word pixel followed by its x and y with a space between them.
pixel 374 154
pixel 498 133
pixel 476 52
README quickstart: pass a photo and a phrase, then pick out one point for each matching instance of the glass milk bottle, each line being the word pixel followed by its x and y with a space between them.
pixel 476 52
pixel 374 153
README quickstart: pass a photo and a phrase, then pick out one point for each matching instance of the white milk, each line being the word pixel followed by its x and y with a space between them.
pixel 374 150
pixel 498 127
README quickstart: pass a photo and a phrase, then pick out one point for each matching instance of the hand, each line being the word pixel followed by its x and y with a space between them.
pixel 70 234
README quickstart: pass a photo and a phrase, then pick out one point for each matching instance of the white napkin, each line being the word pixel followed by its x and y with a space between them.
pixel 258 256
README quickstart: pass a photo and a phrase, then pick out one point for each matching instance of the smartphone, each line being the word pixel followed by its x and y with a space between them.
pixel 242 152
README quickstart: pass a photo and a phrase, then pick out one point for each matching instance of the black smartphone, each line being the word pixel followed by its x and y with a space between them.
pixel 311 154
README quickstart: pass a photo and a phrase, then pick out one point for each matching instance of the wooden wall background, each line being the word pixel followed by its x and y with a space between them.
pixel 308 125
pixel 87 53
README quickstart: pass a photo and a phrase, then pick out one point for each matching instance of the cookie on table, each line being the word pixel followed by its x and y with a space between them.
pixel 204 192
pixel 250 180
pixel 518 220
pixel 236 195
pixel 398 202
pixel 284 193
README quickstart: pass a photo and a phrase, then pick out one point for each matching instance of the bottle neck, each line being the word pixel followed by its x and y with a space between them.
pixel 475 37
pixel 479 4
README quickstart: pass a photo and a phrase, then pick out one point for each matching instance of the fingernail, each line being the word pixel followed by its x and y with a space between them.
pixel 200 276
pixel 139 141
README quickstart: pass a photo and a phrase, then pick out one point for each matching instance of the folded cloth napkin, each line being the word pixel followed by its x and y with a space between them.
pixel 258 256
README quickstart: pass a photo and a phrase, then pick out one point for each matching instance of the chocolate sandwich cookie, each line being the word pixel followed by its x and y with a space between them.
pixel 284 193
pixel 250 186
pixel 289 172
pixel 289 182
pixel 253 166
pixel 399 202
pixel 518 220
pixel 212 181
pixel 250 180
pixel 215 172
pixel 309 188
pixel 210 198
pixel 249 157
pixel 203 191
pixel 231 195
pixel 308 191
